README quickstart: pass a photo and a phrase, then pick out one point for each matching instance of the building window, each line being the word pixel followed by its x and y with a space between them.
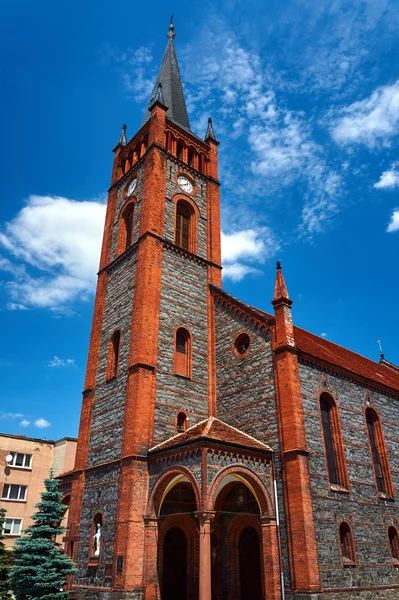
pixel 241 344
pixel 201 163
pixel 179 150
pixel 181 424
pixel 14 492
pixel 23 461
pixel 184 226
pixel 191 156
pixel 113 355
pixel 128 223
pixel 333 442
pixel 182 352
pixel 394 545
pixel 12 527
pixel 347 545
pixel 378 453
pixel 169 141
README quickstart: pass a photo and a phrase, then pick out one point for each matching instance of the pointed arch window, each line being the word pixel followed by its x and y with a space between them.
pixel 394 545
pixel 334 449
pixel 347 544
pixel 378 453
pixel 185 226
pixel 113 354
pixel 182 362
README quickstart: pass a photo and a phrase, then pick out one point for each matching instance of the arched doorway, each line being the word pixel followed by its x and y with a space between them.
pixel 236 543
pixel 178 542
pixel 174 585
pixel 250 565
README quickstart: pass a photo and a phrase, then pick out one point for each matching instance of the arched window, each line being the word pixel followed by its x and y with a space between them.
pixel 128 222
pixel 113 355
pixel 181 422
pixel 394 544
pixel 184 226
pixel 347 545
pixel 179 150
pixel 378 453
pixel 190 156
pixel 333 442
pixel 182 352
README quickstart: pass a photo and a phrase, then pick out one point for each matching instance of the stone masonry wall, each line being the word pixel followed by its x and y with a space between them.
pixel 183 304
pixel 108 411
pixel 368 515
pixel 100 495
pixel 245 392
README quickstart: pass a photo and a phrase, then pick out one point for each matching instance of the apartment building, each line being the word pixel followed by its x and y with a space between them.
pixel 24 464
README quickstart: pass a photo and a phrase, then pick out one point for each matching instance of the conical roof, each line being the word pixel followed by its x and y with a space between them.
pixel 172 89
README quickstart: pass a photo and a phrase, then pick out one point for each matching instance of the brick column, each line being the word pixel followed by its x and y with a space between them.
pixel 271 559
pixel 150 579
pixel 205 581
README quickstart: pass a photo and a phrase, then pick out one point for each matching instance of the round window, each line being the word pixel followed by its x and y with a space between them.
pixel 241 344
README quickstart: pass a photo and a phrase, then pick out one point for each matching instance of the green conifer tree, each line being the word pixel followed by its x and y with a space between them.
pixel 4 560
pixel 40 567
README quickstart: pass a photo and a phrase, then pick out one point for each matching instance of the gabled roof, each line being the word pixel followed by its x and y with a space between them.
pixel 171 85
pixel 346 359
pixel 214 430
pixel 324 350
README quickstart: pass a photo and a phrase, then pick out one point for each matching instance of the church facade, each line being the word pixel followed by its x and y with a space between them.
pixel 223 452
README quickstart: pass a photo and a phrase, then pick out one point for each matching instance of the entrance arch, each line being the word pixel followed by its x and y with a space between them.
pixel 250 569
pixel 174 580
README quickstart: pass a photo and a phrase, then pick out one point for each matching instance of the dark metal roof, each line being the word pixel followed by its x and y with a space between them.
pixel 172 89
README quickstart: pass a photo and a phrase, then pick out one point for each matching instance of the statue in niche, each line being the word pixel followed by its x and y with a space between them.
pixel 97 540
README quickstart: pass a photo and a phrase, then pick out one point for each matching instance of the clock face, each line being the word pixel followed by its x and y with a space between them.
pixel 185 184
pixel 132 187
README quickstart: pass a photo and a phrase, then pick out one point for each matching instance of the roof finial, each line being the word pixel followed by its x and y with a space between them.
pixel 171 33
pixel 379 343
pixel 122 138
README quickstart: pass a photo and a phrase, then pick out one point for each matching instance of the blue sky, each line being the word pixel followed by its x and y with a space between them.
pixel 304 97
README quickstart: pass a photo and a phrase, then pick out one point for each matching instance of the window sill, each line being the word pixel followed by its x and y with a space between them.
pixel 108 379
pixel 339 488
pixel 11 535
pixel 346 562
pixel 385 496
pixel 395 562
pixel 13 500
pixel 183 376
pixel 18 467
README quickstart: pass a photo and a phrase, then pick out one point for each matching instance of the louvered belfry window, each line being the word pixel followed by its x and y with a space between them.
pixel 331 454
pixel 378 452
pixel 128 218
pixel 183 226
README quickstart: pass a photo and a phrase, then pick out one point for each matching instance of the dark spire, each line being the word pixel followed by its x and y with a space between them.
pixel 122 138
pixel 210 133
pixel 172 89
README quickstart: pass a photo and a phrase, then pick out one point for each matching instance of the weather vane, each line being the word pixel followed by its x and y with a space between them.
pixel 379 343
pixel 171 20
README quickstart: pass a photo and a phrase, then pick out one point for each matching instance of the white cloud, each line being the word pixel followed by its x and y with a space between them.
pixel 394 224
pixel 371 121
pixel 42 423
pixel 237 271
pixel 24 423
pixel 389 179
pixel 54 243
pixel 9 415
pixel 246 246
pixel 323 335
pixel 61 362
pixel 132 65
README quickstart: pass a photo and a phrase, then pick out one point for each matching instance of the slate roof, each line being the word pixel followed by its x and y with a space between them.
pixel 172 89
pixel 212 429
